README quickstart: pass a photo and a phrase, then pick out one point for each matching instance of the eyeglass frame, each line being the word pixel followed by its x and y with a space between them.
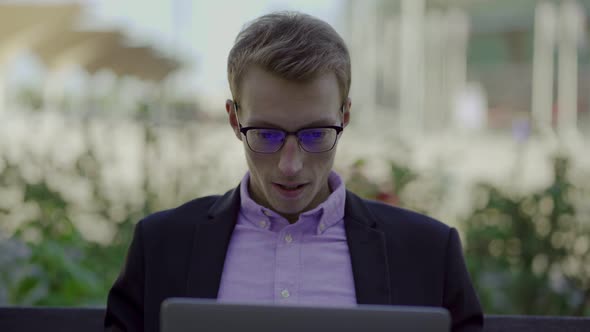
pixel 244 130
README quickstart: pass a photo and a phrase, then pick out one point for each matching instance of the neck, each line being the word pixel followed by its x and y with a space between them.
pixel 321 197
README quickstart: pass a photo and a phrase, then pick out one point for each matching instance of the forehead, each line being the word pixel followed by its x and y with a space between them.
pixel 268 97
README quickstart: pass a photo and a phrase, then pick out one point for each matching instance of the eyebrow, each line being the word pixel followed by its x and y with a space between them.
pixel 265 124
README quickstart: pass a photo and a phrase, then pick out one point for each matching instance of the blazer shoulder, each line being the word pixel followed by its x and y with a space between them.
pixel 397 218
pixel 185 215
pixel 407 231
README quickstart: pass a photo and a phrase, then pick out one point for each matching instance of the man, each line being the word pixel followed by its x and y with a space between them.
pixel 290 233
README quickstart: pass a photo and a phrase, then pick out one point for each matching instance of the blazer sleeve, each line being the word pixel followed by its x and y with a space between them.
pixel 459 295
pixel 124 310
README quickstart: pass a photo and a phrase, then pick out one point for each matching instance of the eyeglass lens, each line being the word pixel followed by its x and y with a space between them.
pixel 311 140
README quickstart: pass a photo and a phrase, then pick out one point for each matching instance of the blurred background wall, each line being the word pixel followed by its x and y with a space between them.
pixel 475 112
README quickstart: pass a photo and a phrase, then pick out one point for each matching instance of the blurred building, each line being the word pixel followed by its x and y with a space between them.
pixel 440 65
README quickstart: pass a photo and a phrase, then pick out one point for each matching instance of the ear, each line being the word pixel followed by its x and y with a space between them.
pixel 232 118
pixel 346 115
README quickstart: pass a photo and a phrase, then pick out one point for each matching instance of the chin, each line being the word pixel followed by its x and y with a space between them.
pixel 287 208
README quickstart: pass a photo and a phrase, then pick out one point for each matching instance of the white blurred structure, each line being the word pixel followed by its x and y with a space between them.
pixel 543 76
pixel 411 116
pixel 415 98
pixel 363 48
pixel 410 64
pixel 50 31
pixel 570 33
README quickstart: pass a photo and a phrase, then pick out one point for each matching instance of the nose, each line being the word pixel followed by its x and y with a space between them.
pixel 291 157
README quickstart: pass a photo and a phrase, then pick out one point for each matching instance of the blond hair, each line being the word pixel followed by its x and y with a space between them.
pixel 291 45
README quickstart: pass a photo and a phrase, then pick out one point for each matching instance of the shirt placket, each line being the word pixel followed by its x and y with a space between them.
pixel 287 265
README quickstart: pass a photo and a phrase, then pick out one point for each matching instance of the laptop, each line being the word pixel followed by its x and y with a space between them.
pixel 184 315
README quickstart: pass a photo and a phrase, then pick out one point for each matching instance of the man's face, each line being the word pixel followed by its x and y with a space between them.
pixel 291 180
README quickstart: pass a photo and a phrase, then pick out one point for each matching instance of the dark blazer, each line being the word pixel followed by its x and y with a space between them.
pixel 398 257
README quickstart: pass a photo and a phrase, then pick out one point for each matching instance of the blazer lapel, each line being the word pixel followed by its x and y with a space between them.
pixel 367 252
pixel 210 246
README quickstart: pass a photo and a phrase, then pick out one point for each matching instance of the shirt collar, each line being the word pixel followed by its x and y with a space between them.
pixel 325 215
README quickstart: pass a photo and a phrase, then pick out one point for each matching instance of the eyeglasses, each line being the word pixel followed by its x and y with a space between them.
pixel 270 140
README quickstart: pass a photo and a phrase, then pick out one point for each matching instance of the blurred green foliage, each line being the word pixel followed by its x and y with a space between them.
pixel 48 261
pixel 527 253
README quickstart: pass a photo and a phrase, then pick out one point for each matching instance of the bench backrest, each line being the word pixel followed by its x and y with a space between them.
pixel 33 319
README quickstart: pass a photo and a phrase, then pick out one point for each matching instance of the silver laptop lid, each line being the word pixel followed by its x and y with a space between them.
pixel 184 315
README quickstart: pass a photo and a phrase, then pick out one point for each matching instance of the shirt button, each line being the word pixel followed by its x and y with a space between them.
pixel 322 227
pixel 285 293
pixel 262 223
pixel 288 238
pixel 267 213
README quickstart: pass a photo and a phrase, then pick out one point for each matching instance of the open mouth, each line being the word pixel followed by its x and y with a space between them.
pixel 290 191
pixel 291 187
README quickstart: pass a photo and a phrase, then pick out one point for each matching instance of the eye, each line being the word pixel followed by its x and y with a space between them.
pixel 314 134
pixel 269 134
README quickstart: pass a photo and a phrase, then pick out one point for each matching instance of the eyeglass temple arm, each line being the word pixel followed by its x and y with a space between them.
pixel 236 111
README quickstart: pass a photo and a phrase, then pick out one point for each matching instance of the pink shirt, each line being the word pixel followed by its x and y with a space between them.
pixel 271 261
